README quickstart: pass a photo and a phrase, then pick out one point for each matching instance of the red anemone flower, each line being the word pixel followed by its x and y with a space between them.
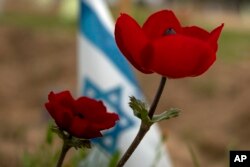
pixel 81 118
pixel 163 46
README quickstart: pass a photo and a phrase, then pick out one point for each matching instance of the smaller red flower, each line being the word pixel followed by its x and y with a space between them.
pixel 165 47
pixel 82 118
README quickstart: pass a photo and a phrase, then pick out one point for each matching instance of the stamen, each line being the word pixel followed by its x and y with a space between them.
pixel 170 31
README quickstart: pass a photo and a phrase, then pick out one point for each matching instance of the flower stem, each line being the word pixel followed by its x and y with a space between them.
pixel 144 128
pixel 141 133
pixel 64 151
pixel 157 97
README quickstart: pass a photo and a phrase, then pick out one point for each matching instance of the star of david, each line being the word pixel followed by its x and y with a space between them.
pixel 112 98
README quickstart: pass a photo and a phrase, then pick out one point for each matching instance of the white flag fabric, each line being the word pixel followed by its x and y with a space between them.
pixel 105 74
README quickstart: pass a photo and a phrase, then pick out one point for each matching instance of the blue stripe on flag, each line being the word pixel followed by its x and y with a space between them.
pixel 95 31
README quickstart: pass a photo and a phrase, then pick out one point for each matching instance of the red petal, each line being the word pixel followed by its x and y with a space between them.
pixel 89 107
pixel 59 96
pixel 157 24
pixel 60 107
pixel 83 128
pixel 195 32
pixel 95 112
pixel 79 127
pixel 63 98
pixel 105 121
pixel 62 116
pixel 214 36
pixel 92 134
pixel 178 56
pixel 130 40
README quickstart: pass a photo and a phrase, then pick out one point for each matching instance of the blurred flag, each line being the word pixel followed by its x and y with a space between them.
pixel 105 74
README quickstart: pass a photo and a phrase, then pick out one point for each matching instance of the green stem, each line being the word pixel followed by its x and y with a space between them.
pixel 144 128
pixel 64 151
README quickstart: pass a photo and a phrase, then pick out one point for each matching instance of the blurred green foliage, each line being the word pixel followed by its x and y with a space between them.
pixel 48 153
pixel 234 45
pixel 44 156
pixel 36 21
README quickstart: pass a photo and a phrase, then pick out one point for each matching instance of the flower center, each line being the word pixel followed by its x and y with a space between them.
pixel 80 115
pixel 169 31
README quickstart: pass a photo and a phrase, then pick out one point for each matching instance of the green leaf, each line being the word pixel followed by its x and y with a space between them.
pixel 58 131
pixel 114 159
pixel 49 134
pixel 193 156
pixel 26 160
pixel 139 108
pixel 171 113
pixel 78 143
pixel 70 140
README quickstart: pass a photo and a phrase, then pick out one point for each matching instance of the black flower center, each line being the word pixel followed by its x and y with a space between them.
pixel 169 31
pixel 80 115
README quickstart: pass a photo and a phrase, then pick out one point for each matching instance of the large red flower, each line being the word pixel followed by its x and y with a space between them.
pixel 82 118
pixel 163 46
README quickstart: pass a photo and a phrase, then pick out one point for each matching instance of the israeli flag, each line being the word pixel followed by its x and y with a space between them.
pixel 105 74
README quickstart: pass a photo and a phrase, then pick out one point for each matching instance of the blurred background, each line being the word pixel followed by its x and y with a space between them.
pixel 38 48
